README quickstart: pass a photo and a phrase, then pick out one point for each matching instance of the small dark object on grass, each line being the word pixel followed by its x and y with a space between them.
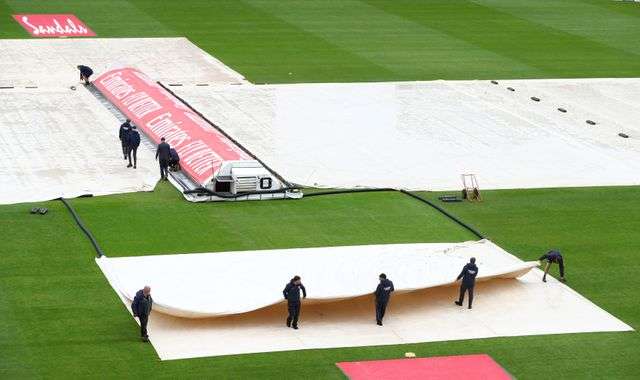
pixel 562 110
pixel 494 81
pixel 39 210
pixel 73 88
pixel 591 122
pixel 535 99
pixel 623 135
pixel 450 198
pixel 510 89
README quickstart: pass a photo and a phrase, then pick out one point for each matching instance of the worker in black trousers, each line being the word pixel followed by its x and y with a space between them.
pixel 553 256
pixel 123 135
pixel 132 146
pixel 468 276
pixel 383 293
pixel 85 73
pixel 141 307
pixel 162 155
pixel 291 293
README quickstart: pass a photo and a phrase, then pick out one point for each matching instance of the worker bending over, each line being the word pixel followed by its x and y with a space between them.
pixel 553 256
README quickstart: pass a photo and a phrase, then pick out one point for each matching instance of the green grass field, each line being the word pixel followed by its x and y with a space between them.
pixel 59 318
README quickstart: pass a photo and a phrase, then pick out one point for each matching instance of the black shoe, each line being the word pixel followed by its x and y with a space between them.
pixel 379 323
pixel 544 279
pixel 125 158
pixel 134 166
pixel 288 324
pixel 469 307
pixel 562 279
pixel 295 327
pixel 129 165
pixel 458 303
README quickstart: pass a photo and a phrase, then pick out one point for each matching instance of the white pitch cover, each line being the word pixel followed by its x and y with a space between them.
pixel 424 135
pixel 188 287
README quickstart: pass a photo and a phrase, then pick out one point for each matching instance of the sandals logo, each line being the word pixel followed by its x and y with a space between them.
pixel 45 25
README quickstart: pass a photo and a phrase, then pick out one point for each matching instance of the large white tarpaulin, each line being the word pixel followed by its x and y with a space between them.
pixel 206 285
pixel 64 143
pixel 218 284
pixel 424 135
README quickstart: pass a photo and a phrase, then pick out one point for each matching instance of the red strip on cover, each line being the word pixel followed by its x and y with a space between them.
pixel 467 367
pixel 201 147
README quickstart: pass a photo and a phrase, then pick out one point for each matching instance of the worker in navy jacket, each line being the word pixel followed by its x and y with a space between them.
pixel 163 153
pixel 553 256
pixel 85 73
pixel 141 307
pixel 383 293
pixel 291 293
pixel 123 135
pixel 133 142
pixel 468 276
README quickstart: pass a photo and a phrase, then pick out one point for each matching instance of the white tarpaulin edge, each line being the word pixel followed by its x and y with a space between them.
pixel 218 284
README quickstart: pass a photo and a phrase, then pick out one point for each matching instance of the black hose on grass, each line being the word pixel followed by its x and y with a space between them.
pixel 446 213
pixel 94 243
pixel 347 191
pixel 412 195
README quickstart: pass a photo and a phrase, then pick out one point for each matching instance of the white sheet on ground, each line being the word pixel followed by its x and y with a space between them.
pixel 63 143
pixel 52 62
pixel 424 135
pixel 502 307
pixel 204 285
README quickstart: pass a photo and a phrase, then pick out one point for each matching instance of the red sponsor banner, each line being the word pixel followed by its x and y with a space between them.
pixel 45 25
pixel 201 147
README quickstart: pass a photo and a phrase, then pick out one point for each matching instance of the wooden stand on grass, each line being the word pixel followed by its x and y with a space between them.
pixel 470 188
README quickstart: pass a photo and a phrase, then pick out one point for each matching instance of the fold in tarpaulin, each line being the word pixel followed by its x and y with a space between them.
pixel 218 284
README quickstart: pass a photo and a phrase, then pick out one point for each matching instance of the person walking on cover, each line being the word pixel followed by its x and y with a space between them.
pixel 132 146
pixel 141 307
pixel 163 153
pixel 553 256
pixel 383 293
pixel 291 293
pixel 123 135
pixel 468 276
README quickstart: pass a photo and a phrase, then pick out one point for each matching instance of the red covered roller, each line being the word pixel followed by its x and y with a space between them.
pixel 201 147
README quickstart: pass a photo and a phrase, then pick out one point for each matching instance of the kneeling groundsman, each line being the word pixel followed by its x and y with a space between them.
pixel 383 293
pixel 291 293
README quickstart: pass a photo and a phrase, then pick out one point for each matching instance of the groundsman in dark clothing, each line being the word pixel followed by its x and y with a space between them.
pixel 123 135
pixel 553 256
pixel 85 73
pixel 141 307
pixel 291 293
pixel 468 276
pixel 383 293
pixel 133 142
pixel 163 153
